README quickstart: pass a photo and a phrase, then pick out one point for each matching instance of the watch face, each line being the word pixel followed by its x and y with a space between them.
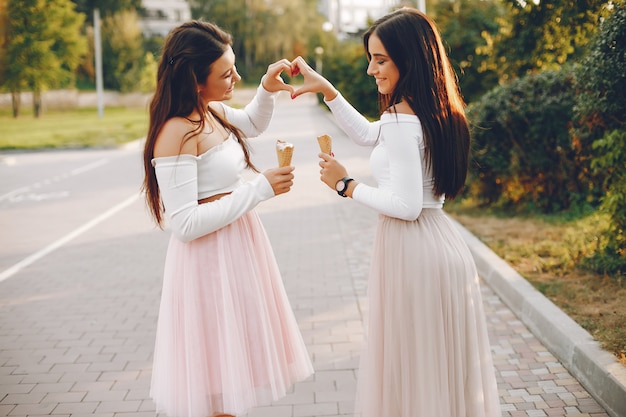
pixel 340 185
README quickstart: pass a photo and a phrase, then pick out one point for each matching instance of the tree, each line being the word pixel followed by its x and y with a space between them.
pixel 600 110
pixel 601 104
pixel 347 70
pixel 106 7
pixel 121 45
pixel 540 35
pixel 4 22
pixel 44 47
pixel 264 31
pixel 466 26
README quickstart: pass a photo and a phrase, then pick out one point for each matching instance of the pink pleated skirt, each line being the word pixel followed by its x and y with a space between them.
pixel 427 351
pixel 227 339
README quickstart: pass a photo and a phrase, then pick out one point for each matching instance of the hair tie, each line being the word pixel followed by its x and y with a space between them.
pixel 171 60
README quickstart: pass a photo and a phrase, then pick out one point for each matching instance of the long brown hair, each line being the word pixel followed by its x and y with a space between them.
pixel 188 53
pixel 429 85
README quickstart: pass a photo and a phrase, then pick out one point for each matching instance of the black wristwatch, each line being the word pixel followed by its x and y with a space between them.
pixel 342 186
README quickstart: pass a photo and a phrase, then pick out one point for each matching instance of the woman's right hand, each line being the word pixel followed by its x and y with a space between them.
pixel 272 80
pixel 313 82
pixel 281 179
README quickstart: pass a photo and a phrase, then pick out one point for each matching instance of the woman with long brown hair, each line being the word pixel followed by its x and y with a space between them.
pixel 227 339
pixel 427 353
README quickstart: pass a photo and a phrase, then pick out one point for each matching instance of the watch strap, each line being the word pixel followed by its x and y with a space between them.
pixel 346 181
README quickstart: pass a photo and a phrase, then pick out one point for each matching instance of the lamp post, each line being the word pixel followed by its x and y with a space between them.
pixel 98 58
pixel 319 51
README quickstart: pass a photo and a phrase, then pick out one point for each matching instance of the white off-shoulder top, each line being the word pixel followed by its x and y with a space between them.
pixel 184 179
pixel 405 182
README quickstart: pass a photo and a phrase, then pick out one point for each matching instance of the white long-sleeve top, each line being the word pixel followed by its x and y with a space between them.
pixel 405 184
pixel 184 179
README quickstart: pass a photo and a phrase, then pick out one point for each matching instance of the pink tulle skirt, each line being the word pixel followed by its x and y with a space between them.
pixel 427 352
pixel 227 339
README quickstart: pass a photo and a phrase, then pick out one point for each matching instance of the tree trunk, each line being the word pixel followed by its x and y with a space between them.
pixel 15 103
pixel 37 103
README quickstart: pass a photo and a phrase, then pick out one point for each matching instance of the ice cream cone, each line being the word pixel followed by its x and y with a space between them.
pixel 284 152
pixel 326 144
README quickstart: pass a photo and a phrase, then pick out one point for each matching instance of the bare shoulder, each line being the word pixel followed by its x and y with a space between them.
pixel 174 139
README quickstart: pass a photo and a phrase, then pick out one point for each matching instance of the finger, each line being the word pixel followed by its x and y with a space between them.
pixel 298 92
pixel 294 69
pixel 289 88
pixel 299 62
pixel 283 65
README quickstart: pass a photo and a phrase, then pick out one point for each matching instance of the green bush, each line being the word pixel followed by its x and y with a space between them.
pixel 601 79
pixel 347 70
pixel 600 134
pixel 601 99
pixel 610 258
pixel 522 154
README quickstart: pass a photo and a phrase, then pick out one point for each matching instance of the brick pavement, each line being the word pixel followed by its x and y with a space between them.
pixel 77 341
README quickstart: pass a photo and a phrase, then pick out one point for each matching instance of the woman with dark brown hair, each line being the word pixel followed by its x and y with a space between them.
pixel 428 353
pixel 227 339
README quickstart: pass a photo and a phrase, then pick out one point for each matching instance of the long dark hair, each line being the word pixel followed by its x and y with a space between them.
pixel 188 53
pixel 429 85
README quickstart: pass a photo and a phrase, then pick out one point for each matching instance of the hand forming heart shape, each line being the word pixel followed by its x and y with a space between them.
pixel 313 82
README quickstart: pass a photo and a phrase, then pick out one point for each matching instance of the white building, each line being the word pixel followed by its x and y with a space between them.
pixel 161 16
pixel 350 16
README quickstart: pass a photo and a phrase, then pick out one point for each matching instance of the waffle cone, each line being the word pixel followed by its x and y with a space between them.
pixel 284 152
pixel 326 143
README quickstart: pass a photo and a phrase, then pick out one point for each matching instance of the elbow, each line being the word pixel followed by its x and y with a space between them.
pixel 408 211
pixel 253 130
pixel 184 235
pixel 183 231
pixel 410 214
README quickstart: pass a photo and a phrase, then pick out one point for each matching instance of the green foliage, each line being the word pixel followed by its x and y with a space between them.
pixel 106 7
pixel 43 45
pixel 611 162
pixel 264 32
pixel 347 70
pixel 542 35
pixel 148 75
pixel 521 146
pixel 601 79
pixel 466 26
pixel 121 45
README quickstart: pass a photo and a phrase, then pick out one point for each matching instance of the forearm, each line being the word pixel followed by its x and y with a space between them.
pixel 256 116
pixel 360 130
pixel 198 220
pixel 178 185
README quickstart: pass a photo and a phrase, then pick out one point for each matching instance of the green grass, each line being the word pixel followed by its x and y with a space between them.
pixel 75 128
pixel 550 252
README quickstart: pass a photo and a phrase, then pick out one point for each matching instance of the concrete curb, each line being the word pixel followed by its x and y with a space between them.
pixel 596 369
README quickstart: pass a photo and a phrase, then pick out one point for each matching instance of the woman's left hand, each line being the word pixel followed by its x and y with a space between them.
pixel 332 171
pixel 273 82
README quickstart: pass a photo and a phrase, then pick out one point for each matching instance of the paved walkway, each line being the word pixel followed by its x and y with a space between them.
pixel 72 345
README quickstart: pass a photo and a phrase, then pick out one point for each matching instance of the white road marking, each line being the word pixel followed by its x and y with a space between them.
pixel 10 195
pixel 7 273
